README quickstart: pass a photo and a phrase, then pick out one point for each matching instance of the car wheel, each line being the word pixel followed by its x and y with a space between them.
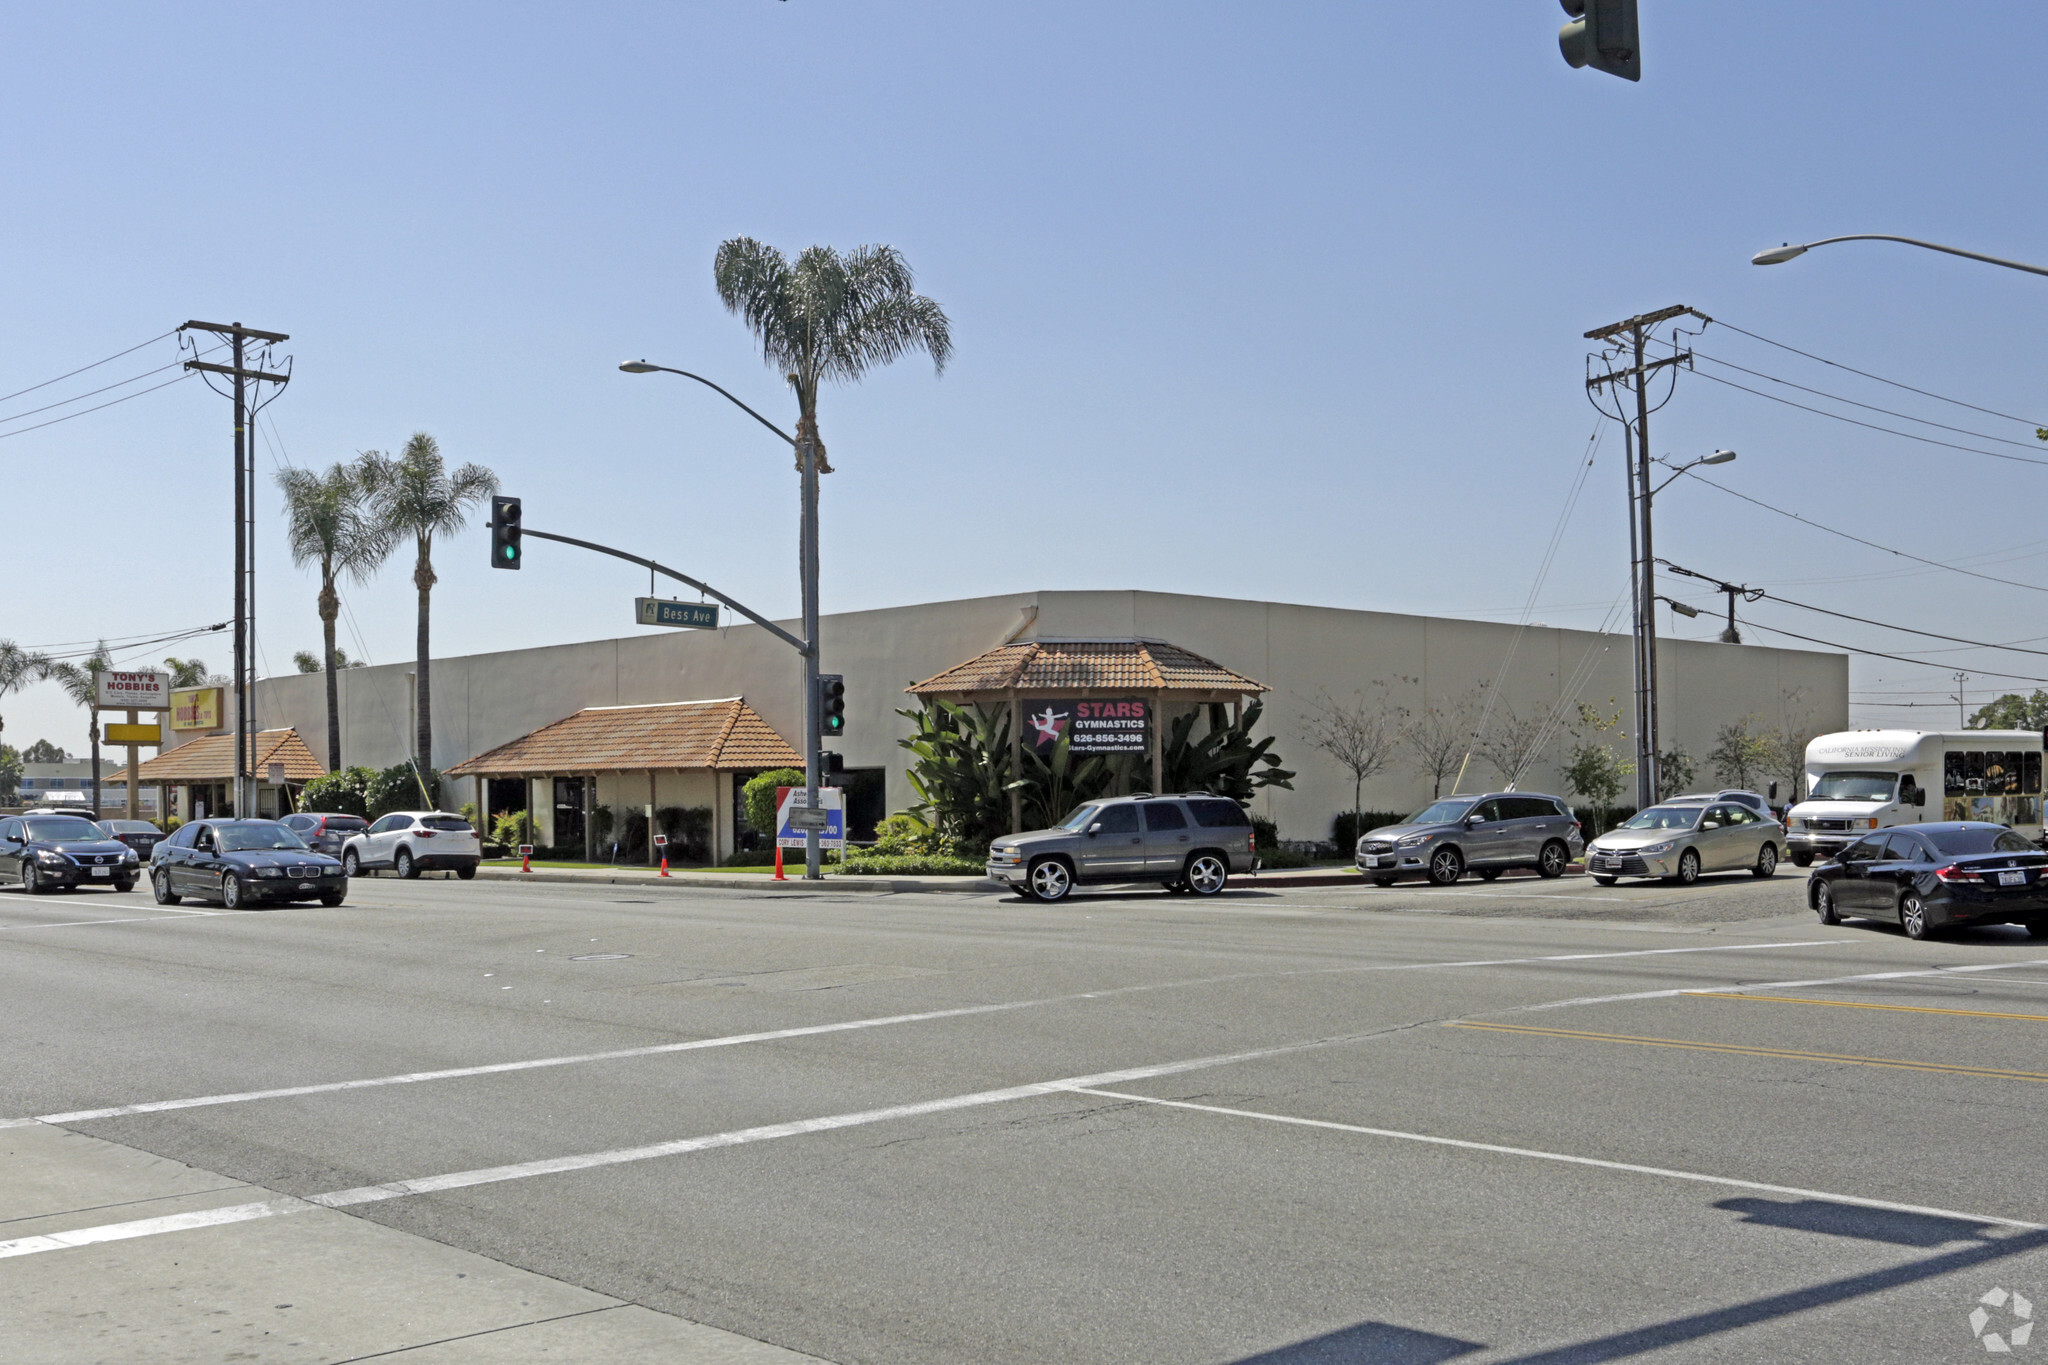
pixel 1766 861
pixel 1488 874
pixel 404 866
pixel 1913 916
pixel 1207 874
pixel 160 884
pixel 1802 860
pixel 1050 879
pixel 124 883
pixel 1824 905
pixel 230 891
pixel 1605 881
pixel 330 899
pixel 1446 865
pixel 1688 868
pixel 351 865
pixel 31 880
pixel 467 874
pixel 1553 860
pixel 1382 881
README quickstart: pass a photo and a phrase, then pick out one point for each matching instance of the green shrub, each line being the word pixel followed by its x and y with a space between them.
pixel 346 792
pixel 601 822
pixel 1278 859
pixel 688 830
pixel 506 829
pixel 633 841
pixel 909 865
pixel 1265 835
pixel 398 787
pixel 750 857
pixel 759 795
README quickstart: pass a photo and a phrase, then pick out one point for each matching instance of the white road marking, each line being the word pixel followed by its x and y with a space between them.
pixel 1775 985
pixel 137 919
pixel 811 1030
pixel 1540 1155
pixel 150 1227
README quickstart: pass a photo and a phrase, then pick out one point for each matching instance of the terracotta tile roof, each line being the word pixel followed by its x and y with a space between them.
pixel 1107 665
pixel 725 735
pixel 212 759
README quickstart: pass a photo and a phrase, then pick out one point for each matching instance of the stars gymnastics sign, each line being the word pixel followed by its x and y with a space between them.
pixel 1089 727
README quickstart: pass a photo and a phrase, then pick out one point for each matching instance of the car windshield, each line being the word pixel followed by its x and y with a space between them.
pixel 1957 843
pixel 1441 812
pixel 1664 817
pixel 1854 787
pixel 64 827
pixel 1079 820
pixel 254 838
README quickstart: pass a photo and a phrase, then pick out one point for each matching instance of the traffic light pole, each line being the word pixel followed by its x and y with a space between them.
pixel 812 855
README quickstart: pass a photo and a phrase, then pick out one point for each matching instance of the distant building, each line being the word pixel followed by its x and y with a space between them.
pixel 61 784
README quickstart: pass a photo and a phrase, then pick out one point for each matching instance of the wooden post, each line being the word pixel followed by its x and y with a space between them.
pixel 650 817
pixel 1158 737
pixel 1017 762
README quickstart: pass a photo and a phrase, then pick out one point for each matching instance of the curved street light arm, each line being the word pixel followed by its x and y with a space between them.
pixel 1914 241
pixel 642 367
pixel 705 588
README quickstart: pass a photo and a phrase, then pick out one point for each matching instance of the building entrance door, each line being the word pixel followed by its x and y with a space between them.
pixel 568 812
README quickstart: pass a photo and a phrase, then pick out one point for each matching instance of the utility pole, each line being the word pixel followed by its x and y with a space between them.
pixel 238 337
pixel 1961 723
pixel 1625 340
pixel 1730 636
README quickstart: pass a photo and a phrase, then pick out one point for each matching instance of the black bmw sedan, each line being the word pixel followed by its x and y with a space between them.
pixel 1929 877
pixel 241 863
pixel 49 852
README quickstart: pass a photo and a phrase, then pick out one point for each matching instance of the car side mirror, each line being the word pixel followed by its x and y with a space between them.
pixel 1920 796
pixel 1095 829
pixel 1474 821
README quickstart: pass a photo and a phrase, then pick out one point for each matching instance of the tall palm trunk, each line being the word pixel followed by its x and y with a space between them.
pixel 423 690
pixel 330 607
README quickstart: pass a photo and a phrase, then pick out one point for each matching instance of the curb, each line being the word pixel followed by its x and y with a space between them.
pixel 752 882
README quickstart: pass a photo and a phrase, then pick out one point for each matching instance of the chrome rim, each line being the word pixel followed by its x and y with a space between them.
pixel 28 878
pixel 1445 866
pixel 404 866
pixel 1824 902
pixel 1914 916
pixel 161 884
pixel 1767 861
pixel 1206 875
pixel 1553 858
pixel 1689 867
pixel 230 892
pixel 1050 881
pixel 349 865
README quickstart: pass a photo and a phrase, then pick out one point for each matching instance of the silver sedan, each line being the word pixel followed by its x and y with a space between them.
pixel 1680 843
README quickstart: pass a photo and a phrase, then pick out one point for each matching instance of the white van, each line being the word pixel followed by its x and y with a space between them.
pixel 1861 780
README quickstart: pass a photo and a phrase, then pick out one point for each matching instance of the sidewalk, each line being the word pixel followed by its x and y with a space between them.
pixel 722 880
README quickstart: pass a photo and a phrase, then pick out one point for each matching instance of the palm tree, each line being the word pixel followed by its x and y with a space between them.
pixel 192 673
pixel 327 525
pixel 81 682
pixel 829 316
pixel 415 495
pixel 306 661
pixel 18 668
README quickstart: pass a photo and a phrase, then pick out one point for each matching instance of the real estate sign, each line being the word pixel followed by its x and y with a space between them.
pixel 793 813
pixel 196 708
pixel 1089 727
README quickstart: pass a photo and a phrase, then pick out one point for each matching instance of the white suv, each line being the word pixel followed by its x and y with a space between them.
pixel 413 841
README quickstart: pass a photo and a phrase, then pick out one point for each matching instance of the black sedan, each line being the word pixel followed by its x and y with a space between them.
pixel 243 863
pixel 1929 877
pixel 139 835
pixel 49 852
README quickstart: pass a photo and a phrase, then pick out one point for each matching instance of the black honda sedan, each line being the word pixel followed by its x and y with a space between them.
pixel 48 852
pixel 1929 877
pixel 242 863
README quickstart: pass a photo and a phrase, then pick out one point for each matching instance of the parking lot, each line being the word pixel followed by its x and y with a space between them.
pixel 1519 1121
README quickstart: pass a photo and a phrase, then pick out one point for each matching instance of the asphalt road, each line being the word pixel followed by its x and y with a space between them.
pixel 1518 1121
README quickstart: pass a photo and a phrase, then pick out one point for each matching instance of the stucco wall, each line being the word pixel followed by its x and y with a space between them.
pixel 1300 652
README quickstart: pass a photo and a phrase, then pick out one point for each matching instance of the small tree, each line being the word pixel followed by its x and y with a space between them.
pixel 1676 768
pixel 759 798
pixel 1593 771
pixel 19 667
pixel 346 792
pixel 1363 735
pixel 42 751
pixel 1437 740
pixel 1512 742
pixel 10 775
pixel 1742 751
pixel 2010 712
pixel 81 683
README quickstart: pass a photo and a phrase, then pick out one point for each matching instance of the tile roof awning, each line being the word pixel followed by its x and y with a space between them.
pixel 212 759
pixel 1080 667
pixel 725 735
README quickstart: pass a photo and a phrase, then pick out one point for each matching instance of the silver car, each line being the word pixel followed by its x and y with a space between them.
pixel 1188 843
pixel 1487 834
pixel 1679 842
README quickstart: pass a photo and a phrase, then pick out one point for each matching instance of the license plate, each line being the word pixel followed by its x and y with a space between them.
pixel 2012 879
pixel 306 886
pixel 1610 862
pixel 1380 862
pixel 103 872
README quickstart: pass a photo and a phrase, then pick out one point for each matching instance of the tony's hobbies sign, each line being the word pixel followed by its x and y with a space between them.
pixel 1089 727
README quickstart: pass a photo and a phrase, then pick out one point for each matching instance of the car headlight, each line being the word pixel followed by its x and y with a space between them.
pixel 52 857
pixel 1005 855
pixel 1651 850
pixel 131 858
pixel 1414 841
pixel 270 872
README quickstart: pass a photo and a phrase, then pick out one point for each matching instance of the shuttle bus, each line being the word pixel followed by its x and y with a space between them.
pixel 1861 780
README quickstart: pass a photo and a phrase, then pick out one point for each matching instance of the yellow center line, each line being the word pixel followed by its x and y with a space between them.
pixel 1742 1050
pixel 1864 1005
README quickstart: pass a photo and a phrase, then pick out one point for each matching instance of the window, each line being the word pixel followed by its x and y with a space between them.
pixel 1716 817
pixel 1960 843
pixel 63 827
pixel 1486 812
pixel 454 824
pixel 389 823
pixel 1865 850
pixel 1664 817
pixel 2030 773
pixel 10 830
pixel 1905 848
pixel 1118 819
pixel 1856 786
pixel 345 824
pixel 1080 819
pixel 1164 815
pixel 1442 812
pixel 1219 815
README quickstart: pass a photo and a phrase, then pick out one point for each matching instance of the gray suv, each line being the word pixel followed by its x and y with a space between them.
pixel 1487 834
pixel 1189 843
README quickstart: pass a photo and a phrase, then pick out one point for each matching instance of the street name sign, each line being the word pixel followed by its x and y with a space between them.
pixel 661 611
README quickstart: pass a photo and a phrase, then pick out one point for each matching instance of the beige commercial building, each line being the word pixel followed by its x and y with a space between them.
pixel 1305 657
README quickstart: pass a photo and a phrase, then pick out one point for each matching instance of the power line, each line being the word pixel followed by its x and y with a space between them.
pixel 1871 426
pixel 4 397
pixel 1880 654
pixel 1924 393
pixel 91 393
pixel 4 435
pixel 1868 407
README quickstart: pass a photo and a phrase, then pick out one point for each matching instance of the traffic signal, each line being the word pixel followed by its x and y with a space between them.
pixel 831 763
pixel 505 548
pixel 831 705
pixel 1602 35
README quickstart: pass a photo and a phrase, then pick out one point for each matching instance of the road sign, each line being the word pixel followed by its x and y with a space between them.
pixel 794 817
pixel 149 733
pixel 661 611
pixel 661 841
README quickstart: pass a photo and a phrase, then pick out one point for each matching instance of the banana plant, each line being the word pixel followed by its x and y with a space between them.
pixel 1054 784
pixel 961 769
pixel 1225 760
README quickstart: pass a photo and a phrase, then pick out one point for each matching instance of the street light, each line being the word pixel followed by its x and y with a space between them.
pixel 1682 608
pixel 1778 255
pixel 807 457
pixel 1718 457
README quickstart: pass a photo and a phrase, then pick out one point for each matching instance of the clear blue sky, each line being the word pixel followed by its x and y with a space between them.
pixel 1262 301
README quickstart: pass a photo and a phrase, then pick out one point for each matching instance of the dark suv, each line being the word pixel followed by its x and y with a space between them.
pixel 1487 834
pixel 1191 842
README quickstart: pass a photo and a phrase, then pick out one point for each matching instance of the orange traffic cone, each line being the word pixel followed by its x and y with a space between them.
pixel 526 859
pixel 778 864
pixel 664 862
